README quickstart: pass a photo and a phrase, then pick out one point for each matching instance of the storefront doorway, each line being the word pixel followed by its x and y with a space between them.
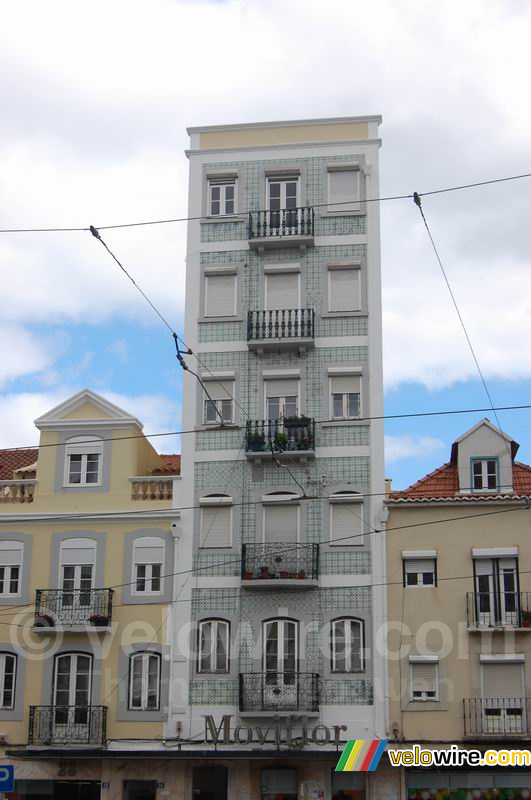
pixel 209 783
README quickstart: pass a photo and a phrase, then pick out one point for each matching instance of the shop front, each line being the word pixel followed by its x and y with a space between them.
pixel 506 783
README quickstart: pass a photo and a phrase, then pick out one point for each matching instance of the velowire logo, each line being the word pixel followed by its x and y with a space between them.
pixel 361 755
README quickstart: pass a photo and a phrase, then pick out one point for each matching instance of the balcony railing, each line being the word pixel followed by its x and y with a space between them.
pixel 286 436
pixel 498 610
pixel 284 223
pixel 67 725
pixel 155 488
pixel 280 561
pixel 279 691
pixel 285 324
pixel 71 608
pixel 17 491
pixel 496 716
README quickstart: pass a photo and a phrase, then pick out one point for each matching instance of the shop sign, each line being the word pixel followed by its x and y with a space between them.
pixel 276 733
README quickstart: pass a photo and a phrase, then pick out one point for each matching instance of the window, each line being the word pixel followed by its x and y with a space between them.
pixel 8 669
pixel 83 461
pixel 497 599
pixel 345 394
pixel 221 197
pixel 76 576
pixel 216 521
pixel 282 193
pixel 10 568
pixel 213 646
pixel 220 406
pixel 346 519
pixel 423 679
pixel 282 290
pixel 220 295
pixel 281 518
pixel 343 189
pixel 347 645
pixel 503 696
pixel 148 558
pixel 419 570
pixel 348 785
pixel 484 474
pixel 344 289
pixel 278 782
pixel 144 682
pixel 282 398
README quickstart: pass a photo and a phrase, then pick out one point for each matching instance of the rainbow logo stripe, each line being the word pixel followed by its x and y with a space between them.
pixel 361 755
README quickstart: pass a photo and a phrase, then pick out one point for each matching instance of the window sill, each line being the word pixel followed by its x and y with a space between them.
pixel 332 314
pixel 222 218
pixel 220 319
pixel 82 485
pixel 233 426
pixel 343 423
pixel 361 213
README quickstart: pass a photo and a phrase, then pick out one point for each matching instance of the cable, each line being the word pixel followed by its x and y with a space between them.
pixel 318 205
pixel 418 203
pixel 208 429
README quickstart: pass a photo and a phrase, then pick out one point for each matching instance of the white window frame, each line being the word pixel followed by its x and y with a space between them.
pixel 208 276
pixel 345 395
pixel 12 545
pixel 356 269
pixel 213 655
pixel 348 645
pixel 423 660
pixel 347 498
pixel 3 659
pixel 144 658
pixel 484 474
pixel 218 405
pixel 421 555
pixel 222 184
pixel 210 384
pixel 281 398
pixel 154 541
pixel 283 179
pixel 83 446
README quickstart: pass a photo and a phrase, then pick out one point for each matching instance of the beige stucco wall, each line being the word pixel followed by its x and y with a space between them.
pixel 435 618
pixel 283 134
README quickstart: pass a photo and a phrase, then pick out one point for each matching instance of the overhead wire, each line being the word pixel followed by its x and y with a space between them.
pixel 82 229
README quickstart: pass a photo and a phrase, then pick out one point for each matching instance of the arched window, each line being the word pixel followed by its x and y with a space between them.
pixel 83 457
pixel 144 682
pixel 346 518
pixel 214 640
pixel 148 559
pixel 347 643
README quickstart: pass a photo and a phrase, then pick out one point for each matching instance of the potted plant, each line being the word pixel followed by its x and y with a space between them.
pixel 285 574
pixel 247 575
pixel 264 573
pixel 301 575
pixel 44 621
pixel 255 442
pixel 99 620
pixel 280 440
pixel 526 619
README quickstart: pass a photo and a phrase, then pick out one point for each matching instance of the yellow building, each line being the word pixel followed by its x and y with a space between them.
pixel 459 615
pixel 88 544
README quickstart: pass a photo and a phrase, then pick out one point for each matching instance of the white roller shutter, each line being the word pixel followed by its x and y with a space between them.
pixel 346 384
pixel 344 189
pixel 216 526
pixel 502 679
pixel 11 553
pixel 417 565
pixel 424 676
pixel 344 289
pixel 149 551
pixel 220 389
pixel 281 523
pixel 287 387
pixel 346 521
pixel 282 290
pixel 220 295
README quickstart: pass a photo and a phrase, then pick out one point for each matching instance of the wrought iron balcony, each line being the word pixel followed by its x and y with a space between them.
pixel 73 608
pixel 498 610
pixel 284 227
pixel 281 563
pixel 279 691
pixel 287 439
pixel 285 329
pixel 496 716
pixel 67 725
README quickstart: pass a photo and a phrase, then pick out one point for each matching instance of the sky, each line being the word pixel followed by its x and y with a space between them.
pixel 95 104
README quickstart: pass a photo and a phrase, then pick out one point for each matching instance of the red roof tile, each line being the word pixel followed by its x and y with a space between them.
pixel 10 460
pixel 443 483
pixel 171 464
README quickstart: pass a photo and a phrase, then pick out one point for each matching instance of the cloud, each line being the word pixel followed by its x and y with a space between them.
pixel 25 353
pixel 405 446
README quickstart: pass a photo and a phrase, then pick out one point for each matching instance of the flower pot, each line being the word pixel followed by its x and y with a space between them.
pixel 44 621
pixel 99 620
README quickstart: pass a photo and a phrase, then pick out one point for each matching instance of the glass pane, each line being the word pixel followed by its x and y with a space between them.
pixel 2 574
pixel 290 407
pixel 353 405
pixel 156 571
pixel 215 192
pixel 136 683
pixel 412 579
pixel 92 473
pixel 206 644
pixel 74 473
pixel 221 647
pixel 215 208
pixel 229 193
pixel 211 414
pixel 13 582
pixel 229 207
pixel 337 405
pixel 491 475
pixel 273 407
pixel 226 410
pixel 140 577
pixel 153 682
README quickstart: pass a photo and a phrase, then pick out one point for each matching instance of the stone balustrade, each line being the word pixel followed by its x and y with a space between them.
pixel 151 488
pixel 17 491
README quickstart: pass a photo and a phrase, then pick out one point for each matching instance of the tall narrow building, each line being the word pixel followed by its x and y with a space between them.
pixel 283 476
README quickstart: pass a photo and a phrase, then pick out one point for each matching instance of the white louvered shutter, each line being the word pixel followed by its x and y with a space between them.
pixel 282 291
pixel 220 295
pixel 502 680
pixel 215 526
pixel 346 520
pixel 280 523
pixel 344 190
pixel 344 290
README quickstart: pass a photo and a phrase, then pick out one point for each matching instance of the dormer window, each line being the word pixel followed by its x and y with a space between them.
pixel 484 474
pixel 83 460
